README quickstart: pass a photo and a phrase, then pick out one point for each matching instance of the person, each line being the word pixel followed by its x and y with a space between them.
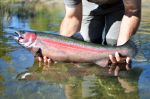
pixel 111 22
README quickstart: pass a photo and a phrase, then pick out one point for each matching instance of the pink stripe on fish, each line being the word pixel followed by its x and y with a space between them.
pixel 77 47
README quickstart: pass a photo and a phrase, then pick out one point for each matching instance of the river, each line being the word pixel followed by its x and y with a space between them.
pixel 62 80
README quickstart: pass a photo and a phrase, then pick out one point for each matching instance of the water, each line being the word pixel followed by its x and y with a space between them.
pixel 62 80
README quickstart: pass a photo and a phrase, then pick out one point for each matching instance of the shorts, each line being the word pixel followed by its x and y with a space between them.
pixel 101 23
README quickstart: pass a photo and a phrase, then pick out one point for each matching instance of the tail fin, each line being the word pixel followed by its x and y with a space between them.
pixel 132 48
pixel 138 55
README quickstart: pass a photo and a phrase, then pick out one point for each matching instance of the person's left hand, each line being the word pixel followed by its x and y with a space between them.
pixel 119 63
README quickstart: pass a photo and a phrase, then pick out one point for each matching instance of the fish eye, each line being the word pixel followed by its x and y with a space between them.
pixel 21 39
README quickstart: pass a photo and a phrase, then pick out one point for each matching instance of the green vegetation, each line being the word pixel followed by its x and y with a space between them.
pixel 41 13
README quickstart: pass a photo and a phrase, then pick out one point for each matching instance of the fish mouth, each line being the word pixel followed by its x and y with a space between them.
pixel 18 36
pixel 20 39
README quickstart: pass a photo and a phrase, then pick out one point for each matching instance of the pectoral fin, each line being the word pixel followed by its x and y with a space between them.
pixel 36 52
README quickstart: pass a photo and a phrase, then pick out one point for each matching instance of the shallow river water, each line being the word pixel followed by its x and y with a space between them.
pixel 22 77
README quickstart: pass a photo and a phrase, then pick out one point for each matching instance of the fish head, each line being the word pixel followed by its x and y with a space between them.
pixel 25 39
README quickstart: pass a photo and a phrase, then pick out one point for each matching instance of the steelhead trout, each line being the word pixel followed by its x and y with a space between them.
pixel 64 49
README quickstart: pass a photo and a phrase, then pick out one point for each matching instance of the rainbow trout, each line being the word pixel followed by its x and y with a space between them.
pixel 64 49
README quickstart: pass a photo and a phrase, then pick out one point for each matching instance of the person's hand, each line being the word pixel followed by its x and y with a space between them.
pixel 44 59
pixel 119 63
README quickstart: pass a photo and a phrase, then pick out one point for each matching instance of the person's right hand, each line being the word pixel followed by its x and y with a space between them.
pixel 119 63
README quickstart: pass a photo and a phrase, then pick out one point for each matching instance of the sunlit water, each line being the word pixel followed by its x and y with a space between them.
pixel 63 80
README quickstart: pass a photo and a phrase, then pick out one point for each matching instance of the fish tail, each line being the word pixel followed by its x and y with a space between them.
pixel 132 48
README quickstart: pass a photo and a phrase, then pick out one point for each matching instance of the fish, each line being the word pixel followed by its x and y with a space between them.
pixel 65 49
